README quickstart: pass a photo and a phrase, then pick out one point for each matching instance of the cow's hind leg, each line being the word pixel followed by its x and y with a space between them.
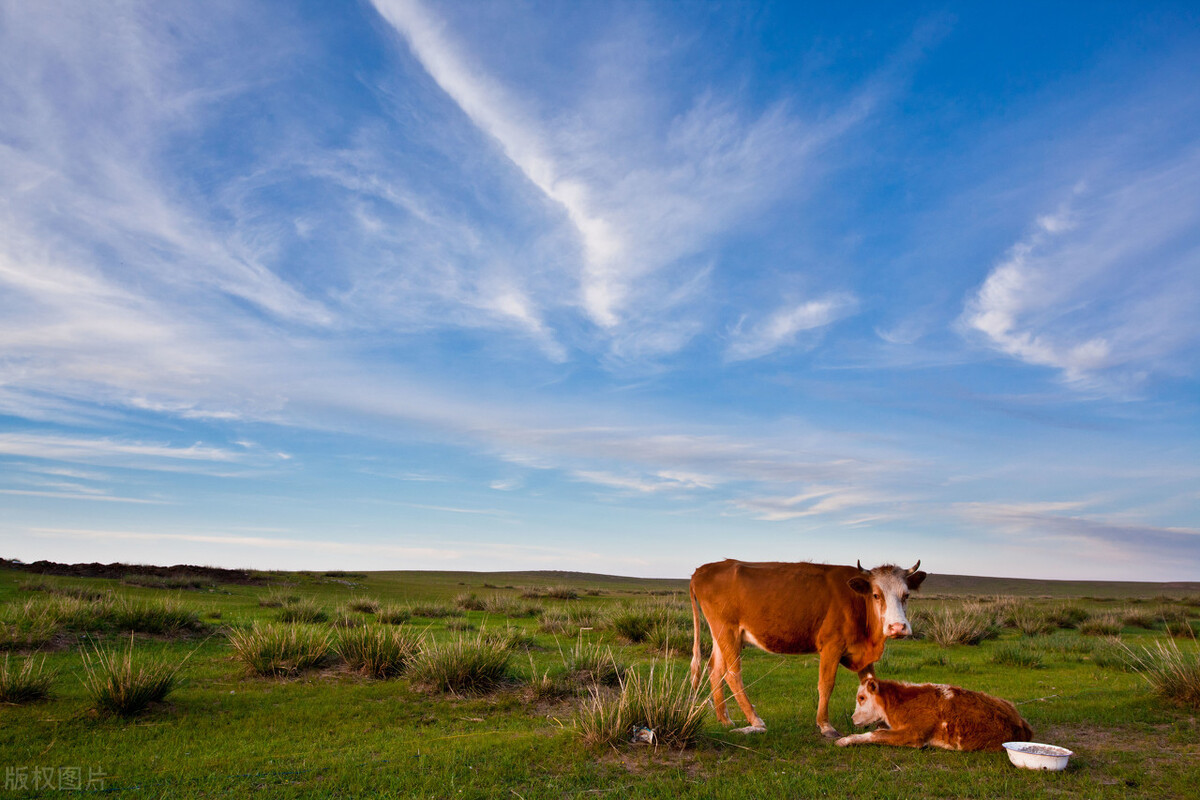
pixel 716 678
pixel 732 645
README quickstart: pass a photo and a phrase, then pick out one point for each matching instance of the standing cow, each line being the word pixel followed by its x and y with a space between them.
pixel 844 613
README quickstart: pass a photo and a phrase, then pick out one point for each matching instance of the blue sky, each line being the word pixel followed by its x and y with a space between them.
pixel 618 287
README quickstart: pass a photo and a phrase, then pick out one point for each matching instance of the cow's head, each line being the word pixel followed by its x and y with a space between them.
pixel 886 590
pixel 867 708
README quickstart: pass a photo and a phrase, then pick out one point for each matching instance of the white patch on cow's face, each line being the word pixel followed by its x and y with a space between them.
pixel 867 708
pixel 890 592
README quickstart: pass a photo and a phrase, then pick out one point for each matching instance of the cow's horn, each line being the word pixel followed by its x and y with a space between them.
pixel 914 567
pixel 860 568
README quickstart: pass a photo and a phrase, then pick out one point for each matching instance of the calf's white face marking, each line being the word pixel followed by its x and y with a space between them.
pixel 867 708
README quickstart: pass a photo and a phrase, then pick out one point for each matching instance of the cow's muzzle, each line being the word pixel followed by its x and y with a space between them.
pixel 897 630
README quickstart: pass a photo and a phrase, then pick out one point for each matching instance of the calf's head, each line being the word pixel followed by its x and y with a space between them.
pixel 886 589
pixel 867 708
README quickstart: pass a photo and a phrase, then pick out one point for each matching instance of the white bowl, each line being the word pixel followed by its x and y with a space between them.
pixel 1034 755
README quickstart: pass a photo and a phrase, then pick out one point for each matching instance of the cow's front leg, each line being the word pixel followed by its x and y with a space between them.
pixel 826 677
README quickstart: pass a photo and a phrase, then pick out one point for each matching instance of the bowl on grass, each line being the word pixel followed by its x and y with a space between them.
pixel 1035 755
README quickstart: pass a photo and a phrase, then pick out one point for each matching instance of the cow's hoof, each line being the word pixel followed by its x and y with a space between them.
pixel 830 733
pixel 751 729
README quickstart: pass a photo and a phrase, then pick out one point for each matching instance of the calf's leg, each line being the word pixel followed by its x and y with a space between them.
pixel 897 737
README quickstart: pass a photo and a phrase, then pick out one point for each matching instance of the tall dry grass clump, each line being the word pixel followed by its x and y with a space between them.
pixel 25 683
pixel 277 598
pixel 153 616
pixel 27 626
pixel 594 663
pixel 1171 673
pixel 1102 625
pixel 122 684
pixel 463 665
pixel 364 605
pixel 505 606
pixel 276 650
pixel 393 614
pixel 949 626
pixel 304 611
pixel 661 700
pixel 379 652
pixel 568 619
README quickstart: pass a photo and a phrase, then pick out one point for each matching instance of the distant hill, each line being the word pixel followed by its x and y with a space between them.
pixel 935 584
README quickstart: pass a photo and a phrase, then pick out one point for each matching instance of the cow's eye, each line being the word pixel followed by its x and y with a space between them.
pixel 876 595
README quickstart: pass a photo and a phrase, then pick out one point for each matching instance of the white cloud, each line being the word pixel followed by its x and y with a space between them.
pixel 783 326
pixel 111 451
pixel 1104 289
pixel 642 194
pixel 817 501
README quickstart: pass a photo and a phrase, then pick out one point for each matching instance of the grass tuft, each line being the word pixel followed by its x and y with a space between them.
pixel 1171 673
pixel 1102 625
pixel 463 665
pixel 27 683
pixel 469 601
pixel 125 685
pixel 364 605
pixel 275 650
pixel 276 598
pixel 434 610
pixel 393 614
pixel 1018 655
pixel 947 627
pixel 379 652
pixel 304 611
pixel 594 663
pixel 659 700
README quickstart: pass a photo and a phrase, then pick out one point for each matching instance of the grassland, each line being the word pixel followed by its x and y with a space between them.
pixel 333 731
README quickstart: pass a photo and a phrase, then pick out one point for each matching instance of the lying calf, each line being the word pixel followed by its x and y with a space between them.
pixel 936 714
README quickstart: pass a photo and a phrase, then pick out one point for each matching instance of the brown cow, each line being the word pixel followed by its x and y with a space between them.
pixel 843 613
pixel 936 714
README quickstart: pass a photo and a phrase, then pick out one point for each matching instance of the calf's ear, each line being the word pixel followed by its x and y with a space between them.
pixel 914 580
pixel 872 685
pixel 860 584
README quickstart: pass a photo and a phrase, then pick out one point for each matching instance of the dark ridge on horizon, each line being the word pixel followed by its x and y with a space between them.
pixel 935 584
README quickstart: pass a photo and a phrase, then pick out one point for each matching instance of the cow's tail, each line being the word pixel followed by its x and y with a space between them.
pixel 697 657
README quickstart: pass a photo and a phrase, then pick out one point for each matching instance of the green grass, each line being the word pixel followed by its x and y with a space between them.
pixel 335 731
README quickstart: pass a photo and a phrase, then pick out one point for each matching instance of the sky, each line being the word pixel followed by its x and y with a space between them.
pixel 622 287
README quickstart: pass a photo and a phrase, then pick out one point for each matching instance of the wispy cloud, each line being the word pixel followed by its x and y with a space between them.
pixel 784 326
pixel 661 481
pixel 1103 289
pixel 116 452
pixel 641 193
pixel 89 496
pixel 816 502
pixel 1045 528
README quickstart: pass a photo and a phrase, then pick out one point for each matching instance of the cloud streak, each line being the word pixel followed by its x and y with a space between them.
pixel 1103 290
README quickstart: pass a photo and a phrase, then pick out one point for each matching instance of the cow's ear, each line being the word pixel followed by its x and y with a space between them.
pixel 872 685
pixel 860 584
pixel 914 580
